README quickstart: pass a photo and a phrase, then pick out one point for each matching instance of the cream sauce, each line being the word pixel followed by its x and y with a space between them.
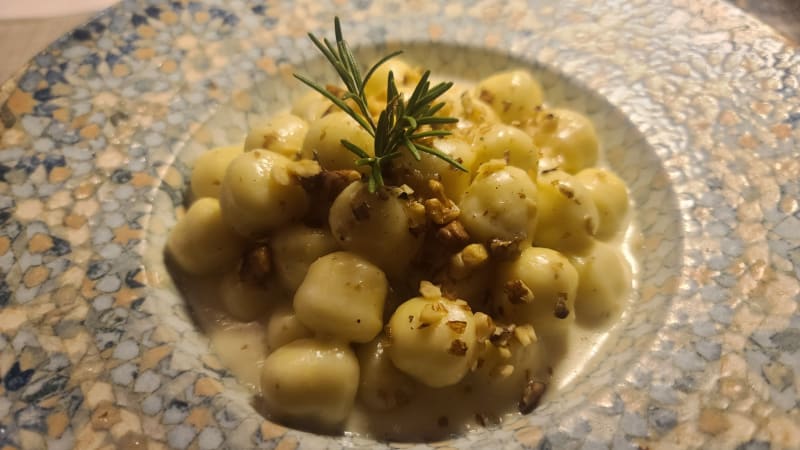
pixel 432 413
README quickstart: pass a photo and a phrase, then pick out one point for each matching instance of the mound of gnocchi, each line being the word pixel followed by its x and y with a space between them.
pixel 446 296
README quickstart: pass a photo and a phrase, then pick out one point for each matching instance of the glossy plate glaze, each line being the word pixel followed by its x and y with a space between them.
pixel 697 105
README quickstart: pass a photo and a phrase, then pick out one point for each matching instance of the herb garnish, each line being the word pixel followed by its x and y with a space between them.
pixel 403 124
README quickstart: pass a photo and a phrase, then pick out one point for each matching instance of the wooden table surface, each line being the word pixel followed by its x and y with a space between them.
pixel 20 40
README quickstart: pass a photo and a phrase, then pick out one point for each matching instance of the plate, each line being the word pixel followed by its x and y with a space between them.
pixel 695 102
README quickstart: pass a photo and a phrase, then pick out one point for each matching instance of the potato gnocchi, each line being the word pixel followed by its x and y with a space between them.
pixel 466 287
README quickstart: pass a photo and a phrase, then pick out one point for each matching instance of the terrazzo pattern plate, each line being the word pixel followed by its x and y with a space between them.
pixel 698 109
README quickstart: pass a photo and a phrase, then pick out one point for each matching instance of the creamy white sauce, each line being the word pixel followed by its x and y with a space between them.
pixel 240 347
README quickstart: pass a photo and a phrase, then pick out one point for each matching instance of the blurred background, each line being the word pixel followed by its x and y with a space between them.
pixel 28 26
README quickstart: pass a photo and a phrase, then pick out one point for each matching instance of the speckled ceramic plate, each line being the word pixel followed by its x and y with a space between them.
pixel 698 109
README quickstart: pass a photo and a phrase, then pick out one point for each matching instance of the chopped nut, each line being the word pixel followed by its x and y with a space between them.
pixel 503 371
pixel 501 335
pixel 441 213
pixel 361 211
pixel 323 188
pixel 486 96
pixel 530 396
pixel 484 326
pixel 458 348
pixel 505 250
pixel 463 263
pixel 475 255
pixel 304 168
pixel 518 292
pixel 387 330
pixel 417 219
pixel 440 209
pixel 525 334
pixel 432 313
pixel 453 234
pixel 256 265
pixel 429 290
pixel 561 311
pixel 463 305
pixel 329 182
pixel 458 326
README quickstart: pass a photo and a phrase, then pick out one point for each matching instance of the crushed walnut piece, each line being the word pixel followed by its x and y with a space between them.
pixel 465 262
pixel 440 209
pixel 458 347
pixel 431 313
pixel 525 334
pixel 304 168
pixel 458 326
pixel 361 211
pixel 518 292
pixel 502 334
pixel 256 265
pixel 505 250
pixel 429 290
pixel 531 395
pixel 561 311
pixel 503 371
pixel 453 235
pixel 484 326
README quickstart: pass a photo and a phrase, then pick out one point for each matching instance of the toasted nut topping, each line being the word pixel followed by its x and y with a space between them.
pixel 463 305
pixel 530 396
pixel 458 348
pixel 561 311
pixel 441 213
pixel 431 314
pixel 525 334
pixel 484 326
pixel 458 326
pixel 417 220
pixel 503 249
pixel 486 96
pixel 518 292
pixel 463 263
pixel 256 265
pixel 501 335
pixel 387 330
pixel 304 168
pixel 429 290
pixel 440 209
pixel 453 234
pixel 503 371
pixel 361 211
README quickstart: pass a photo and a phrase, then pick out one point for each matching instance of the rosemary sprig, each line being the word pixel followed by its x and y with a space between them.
pixel 400 124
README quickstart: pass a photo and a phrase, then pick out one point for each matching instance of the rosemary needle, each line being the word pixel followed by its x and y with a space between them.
pixel 399 125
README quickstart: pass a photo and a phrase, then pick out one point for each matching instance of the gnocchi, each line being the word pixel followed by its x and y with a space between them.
pixel 567 140
pixel 202 242
pixel 259 194
pixel 433 340
pixel 443 294
pixel 283 134
pixel 342 295
pixel 312 381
